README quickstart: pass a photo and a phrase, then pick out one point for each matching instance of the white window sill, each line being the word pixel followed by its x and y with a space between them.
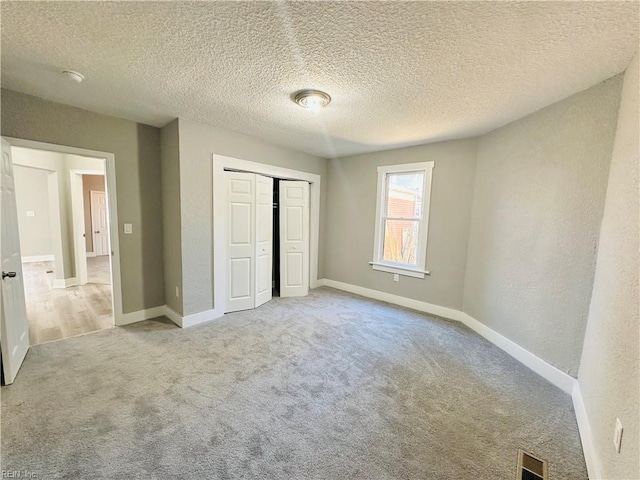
pixel 406 271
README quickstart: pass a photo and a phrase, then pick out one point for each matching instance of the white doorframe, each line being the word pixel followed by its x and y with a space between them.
pixel 77 208
pixel 56 230
pixel 220 163
pixel 111 192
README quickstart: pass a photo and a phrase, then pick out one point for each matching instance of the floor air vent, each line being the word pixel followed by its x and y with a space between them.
pixel 530 467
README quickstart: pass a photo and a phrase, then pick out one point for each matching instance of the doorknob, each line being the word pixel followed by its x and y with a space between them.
pixel 97 231
pixel 8 274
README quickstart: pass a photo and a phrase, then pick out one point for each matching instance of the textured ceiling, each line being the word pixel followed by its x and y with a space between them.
pixel 399 73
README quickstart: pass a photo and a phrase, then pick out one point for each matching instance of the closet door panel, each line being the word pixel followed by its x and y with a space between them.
pixel 264 239
pixel 241 233
pixel 294 238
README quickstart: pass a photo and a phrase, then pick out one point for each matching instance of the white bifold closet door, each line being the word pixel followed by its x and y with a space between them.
pixel 249 240
pixel 294 238
pixel 264 239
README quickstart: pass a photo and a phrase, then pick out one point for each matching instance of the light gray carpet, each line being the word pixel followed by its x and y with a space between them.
pixel 331 386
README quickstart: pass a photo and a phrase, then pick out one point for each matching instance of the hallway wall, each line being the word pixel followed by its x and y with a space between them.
pixel 32 197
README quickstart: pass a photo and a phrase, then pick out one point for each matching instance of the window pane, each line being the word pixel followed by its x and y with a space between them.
pixel 404 194
pixel 401 241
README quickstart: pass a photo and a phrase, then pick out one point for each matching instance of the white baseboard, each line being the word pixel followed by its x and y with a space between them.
pixel 64 282
pixel 37 258
pixel 557 377
pixel 320 282
pixel 172 315
pixel 166 311
pixel 193 319
pixel 140 315
pixel 91 254
pixel 586 437
pixel 395 299
pixel 200 317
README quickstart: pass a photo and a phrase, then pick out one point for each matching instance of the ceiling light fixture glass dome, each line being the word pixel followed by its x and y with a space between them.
pixel 73 75
pixel 313 100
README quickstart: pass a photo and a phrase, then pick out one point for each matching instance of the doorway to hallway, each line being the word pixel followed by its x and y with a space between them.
pixel 61 203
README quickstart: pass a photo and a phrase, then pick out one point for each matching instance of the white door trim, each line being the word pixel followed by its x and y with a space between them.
pixel 220 163
pixel 111 191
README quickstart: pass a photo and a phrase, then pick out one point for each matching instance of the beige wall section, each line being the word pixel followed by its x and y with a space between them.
pixel 137 154
pixel 538 201
pixel 198 143
pixel 90 183
pixel 352 208
pixel 171 217
pixel 609 370
pixel 32 195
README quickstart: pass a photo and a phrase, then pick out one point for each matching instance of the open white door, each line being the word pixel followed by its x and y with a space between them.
pixel 100 223
pixel 294 238
pixel 241 241
pixel 264 240
pixel 14 329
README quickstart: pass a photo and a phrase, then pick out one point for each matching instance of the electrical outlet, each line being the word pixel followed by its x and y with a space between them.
pixel 617 435
pixel 177 292
pixel 396 277
pixel 31 213
pixel 128 228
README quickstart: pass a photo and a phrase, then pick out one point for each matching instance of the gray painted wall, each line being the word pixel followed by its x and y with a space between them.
pixel 137 153
pixel 198 143
pixel 32 194
pixel 609 370
pixel 351 209
pixel 171 216
pixel 538 202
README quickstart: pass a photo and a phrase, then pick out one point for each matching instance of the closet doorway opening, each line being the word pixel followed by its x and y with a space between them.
pixel 279 260
pixel 253 221
pixel 266 224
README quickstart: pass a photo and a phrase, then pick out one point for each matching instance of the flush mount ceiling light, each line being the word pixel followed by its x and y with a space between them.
pixel 71 75
pixel 312 100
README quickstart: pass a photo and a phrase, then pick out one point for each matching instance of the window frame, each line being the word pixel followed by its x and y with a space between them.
pixel 419 269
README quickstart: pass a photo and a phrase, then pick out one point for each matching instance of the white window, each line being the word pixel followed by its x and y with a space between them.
pixel 402 219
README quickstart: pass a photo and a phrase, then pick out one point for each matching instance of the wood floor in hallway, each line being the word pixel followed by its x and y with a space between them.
pixel 55 313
